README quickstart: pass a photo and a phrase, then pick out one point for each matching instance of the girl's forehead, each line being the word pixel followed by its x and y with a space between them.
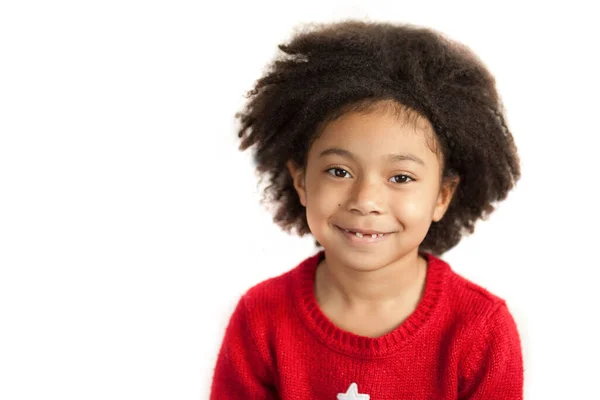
pixel 376 131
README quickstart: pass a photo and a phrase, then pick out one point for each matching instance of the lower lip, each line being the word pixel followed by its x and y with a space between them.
pixel 366 239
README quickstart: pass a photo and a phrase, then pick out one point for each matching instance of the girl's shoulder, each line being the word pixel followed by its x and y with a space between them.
pixel 471 302
pixel 464 289
pixel 276 296
pixel 272 289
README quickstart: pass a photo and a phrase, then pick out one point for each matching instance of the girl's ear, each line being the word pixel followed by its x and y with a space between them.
pixel 297 174
pixel 447 191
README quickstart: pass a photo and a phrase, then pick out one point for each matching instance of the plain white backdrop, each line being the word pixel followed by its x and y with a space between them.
pixel 130 224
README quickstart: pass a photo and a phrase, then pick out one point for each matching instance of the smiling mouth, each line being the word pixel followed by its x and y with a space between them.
pixel 360 235
pixel 373 235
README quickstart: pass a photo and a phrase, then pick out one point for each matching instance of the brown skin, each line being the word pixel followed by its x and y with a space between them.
pixel 378 284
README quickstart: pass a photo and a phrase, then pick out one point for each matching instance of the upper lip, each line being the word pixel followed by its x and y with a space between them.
pixel 363 231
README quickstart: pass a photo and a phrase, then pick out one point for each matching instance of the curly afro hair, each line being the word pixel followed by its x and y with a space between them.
pixel 327 70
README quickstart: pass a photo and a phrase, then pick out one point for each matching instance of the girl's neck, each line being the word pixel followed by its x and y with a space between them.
pixel 394 285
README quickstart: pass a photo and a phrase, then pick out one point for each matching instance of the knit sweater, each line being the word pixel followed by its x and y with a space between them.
pixel 461 342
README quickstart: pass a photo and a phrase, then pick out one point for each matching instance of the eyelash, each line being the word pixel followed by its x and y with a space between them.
pixel 335 169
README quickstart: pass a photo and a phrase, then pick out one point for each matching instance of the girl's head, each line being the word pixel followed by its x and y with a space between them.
pixel 379 128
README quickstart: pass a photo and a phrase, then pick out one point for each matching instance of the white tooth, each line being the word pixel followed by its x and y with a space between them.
pixel 358 234
pixel 374 236
pixel 380 235
pixel 346 230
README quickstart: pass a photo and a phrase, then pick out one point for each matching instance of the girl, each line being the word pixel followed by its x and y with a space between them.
pixel 386 143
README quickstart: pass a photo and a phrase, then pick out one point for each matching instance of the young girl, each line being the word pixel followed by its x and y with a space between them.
pixel 386 143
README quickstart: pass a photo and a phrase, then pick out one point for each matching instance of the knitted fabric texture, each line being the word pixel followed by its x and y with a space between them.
pixel 461 342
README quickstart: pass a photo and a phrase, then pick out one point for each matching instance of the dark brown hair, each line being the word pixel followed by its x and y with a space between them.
pixel 326 70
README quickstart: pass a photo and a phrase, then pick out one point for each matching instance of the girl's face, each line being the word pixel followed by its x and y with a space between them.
pixel 371 188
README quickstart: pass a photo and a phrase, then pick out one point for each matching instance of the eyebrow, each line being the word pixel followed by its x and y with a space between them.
pixel 391 157
pixel 405 157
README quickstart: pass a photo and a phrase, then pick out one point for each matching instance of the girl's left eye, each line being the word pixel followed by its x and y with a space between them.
pixel 401 179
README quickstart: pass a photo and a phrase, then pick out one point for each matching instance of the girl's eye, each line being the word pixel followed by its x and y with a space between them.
pixel 338 172
pixel 401 179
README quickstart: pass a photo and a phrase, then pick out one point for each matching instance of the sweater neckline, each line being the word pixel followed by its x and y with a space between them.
pixel 362 346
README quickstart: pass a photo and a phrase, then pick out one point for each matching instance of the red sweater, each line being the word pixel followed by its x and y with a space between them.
pixel 460 343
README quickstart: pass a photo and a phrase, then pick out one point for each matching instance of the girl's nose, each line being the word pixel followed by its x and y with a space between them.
pixel 367 198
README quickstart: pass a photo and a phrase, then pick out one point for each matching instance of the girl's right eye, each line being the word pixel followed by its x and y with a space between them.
pixel 338 172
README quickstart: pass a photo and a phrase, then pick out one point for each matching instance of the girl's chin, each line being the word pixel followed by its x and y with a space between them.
pixel 360 260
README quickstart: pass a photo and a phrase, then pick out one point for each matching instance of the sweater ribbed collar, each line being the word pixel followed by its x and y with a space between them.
pixel 361 346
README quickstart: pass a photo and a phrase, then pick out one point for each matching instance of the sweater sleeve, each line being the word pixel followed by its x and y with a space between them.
pixel 240 373
pixel 493 366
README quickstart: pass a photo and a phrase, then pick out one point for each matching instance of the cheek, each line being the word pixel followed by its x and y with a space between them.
pixel 414 209
pixel 322 193
pixel 322 200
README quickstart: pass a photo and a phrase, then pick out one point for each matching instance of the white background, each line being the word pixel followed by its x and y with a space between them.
pixel 130 224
